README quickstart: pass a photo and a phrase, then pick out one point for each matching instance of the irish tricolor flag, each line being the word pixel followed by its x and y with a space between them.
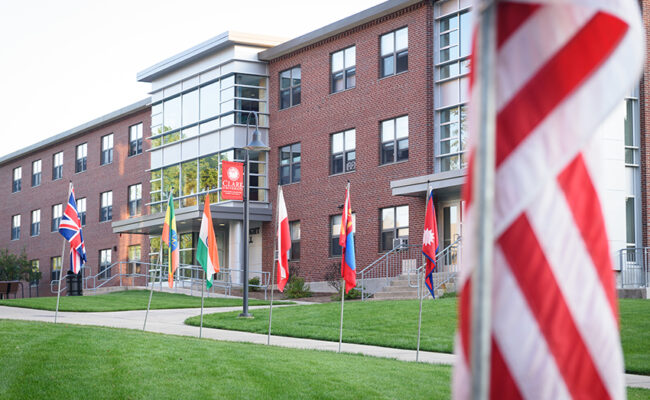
pixel 284 242
pixel 206 250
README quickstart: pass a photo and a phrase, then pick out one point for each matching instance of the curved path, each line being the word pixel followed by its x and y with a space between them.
pixel 171 322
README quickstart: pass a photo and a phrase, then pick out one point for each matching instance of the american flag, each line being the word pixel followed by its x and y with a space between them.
pixel 70 229
pixel 561 67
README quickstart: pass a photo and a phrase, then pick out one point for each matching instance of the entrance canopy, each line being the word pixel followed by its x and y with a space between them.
pixel 188 219
pixel 446 185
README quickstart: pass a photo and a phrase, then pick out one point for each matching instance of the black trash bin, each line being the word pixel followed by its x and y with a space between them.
pixel 74 284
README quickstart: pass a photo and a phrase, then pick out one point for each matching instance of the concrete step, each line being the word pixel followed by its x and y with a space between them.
pixel 395 295
pixel 401 283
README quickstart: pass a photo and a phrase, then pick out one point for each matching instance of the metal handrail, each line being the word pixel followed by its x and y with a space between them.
pixel 388 261
pixel 397 260
pixel 187 273
pixel 441 254
pixel 440 264
pixel 635 267
pixel 402 246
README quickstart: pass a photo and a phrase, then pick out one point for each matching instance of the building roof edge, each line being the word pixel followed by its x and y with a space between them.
pixel 110 117
pixel 337 27
pixel 216 43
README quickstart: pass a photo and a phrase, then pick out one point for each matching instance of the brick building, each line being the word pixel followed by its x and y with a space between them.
pixel 377 99
pixel 364 115
pixel 105 159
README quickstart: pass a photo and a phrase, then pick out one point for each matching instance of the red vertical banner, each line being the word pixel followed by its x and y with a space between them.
pixel 232 180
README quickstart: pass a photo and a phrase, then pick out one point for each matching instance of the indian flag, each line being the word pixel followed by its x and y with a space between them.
pixel 206 250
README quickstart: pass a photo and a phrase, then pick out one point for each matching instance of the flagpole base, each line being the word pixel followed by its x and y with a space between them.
pixel 245 315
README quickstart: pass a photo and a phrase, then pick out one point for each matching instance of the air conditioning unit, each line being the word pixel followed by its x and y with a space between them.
pixel 400 242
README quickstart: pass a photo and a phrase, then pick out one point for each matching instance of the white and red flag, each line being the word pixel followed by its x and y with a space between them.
pixel 284 242
pixel 561 67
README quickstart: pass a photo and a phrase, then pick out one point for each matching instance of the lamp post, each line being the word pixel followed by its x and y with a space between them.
pixel 255 144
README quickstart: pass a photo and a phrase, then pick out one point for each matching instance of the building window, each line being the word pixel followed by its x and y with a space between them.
pixel 215 104
pixel 17 179
pixel 135 199
pixel 344 158
pixel 453 138
pixel 36 173
pixel 82 157
pixel 104 264
pixel 290 164
pixel 343 67
pixel 134 258
pixel 15 227
pixel 294 232
pixel 394 52
pixel 81 209
pixel 290 88
pixel 106 206
pixel 57 166
pixel 335 233
pixel 55 264
pixel 135 139
pixel 35 228
pixel 56 217
pixel 395 140
pixel 455 44
pixel 394 225
pixel 35 268
pixel 107 150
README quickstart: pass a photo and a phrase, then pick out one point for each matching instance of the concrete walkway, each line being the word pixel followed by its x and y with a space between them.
pixel 172 322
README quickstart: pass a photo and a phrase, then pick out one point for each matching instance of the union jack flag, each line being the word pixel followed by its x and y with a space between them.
pixel 560 68
pixel 70 229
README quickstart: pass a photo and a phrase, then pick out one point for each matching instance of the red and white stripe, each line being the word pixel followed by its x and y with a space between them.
pixel 284 242
pixel 561 68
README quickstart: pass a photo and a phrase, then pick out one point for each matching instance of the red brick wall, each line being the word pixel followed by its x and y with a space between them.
pixel 318 195
pixel 644 93
pixel 124 171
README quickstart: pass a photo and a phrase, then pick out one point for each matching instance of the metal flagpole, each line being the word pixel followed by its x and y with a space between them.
pixel 268 339
pixel 160 260
pixel 420 295
pixel 204 283
pixel 483 236
pixel 421 280
pixel 345 210
pixel 58 293
pixel 276 258
pixel 342 301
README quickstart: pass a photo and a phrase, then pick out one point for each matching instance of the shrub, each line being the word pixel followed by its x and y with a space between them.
pixel 333 276
pixel 256 282
pixel 296 288
pixel 353 294
pixel 13 267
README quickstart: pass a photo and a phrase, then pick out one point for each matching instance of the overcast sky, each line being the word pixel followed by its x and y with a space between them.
pixel 66 62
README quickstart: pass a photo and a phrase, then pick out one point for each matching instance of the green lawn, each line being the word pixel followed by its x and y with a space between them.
pixel 635 334
pixel 124 301
pixel 48 361
pixel 394 324
pixel 390 323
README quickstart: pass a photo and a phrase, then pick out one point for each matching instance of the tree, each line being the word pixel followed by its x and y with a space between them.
pixel 15 268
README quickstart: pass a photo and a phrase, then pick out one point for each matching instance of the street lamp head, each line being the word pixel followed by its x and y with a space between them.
pixel 256 143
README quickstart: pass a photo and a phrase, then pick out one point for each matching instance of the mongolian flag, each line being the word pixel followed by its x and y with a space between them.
pixel 346 240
